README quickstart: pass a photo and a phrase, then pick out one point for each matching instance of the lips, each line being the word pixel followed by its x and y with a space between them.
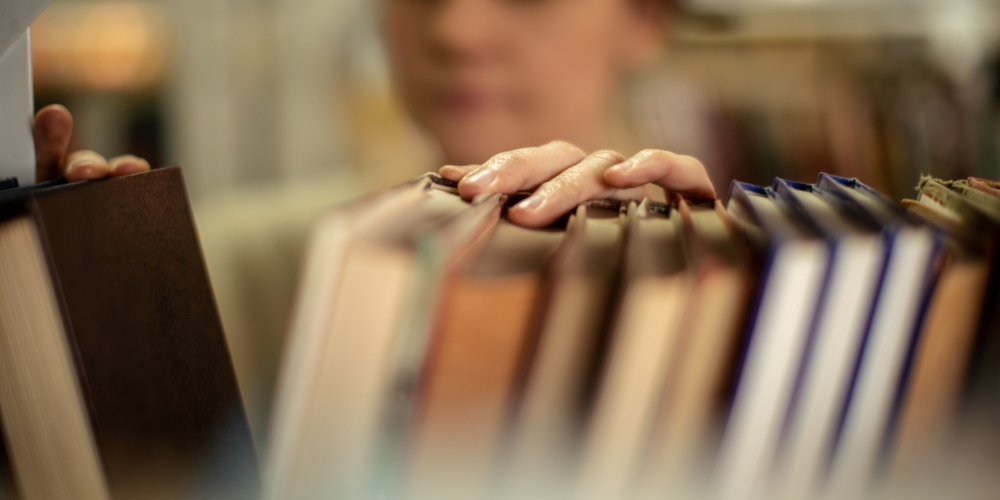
pixel 463 100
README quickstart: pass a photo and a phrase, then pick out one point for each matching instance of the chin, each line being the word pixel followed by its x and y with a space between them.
pixel 474 147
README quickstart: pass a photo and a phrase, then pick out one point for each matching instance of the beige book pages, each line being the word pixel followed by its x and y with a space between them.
pixel 47 429
pixel 547 423
pixel 690 413
pixel 657 286
pixel 475 364
pixel 334 382
pixel 629 396
pixel 689 419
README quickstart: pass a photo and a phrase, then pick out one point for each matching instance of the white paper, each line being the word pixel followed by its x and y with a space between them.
pixel 15 18
pixel 17 145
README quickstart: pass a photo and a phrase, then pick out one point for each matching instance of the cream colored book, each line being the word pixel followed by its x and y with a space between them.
pixel 336 379
pixel 692 411
pixel 537 458
pixel 656 286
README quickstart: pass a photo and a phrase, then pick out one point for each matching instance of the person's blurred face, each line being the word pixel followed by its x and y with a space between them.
pixel 486 76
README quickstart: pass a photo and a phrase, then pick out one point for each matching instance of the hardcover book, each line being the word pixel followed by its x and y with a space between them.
pixel 115 376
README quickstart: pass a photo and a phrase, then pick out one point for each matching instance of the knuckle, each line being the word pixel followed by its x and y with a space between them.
pixel 558 189
pixel 566 147
pixel 657 155
pixel 575 183
pixel 690 159
pixel 608 155
pixel 516 159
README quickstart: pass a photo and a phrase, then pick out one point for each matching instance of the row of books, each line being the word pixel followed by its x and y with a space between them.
pixel 800 341
pixel 882 109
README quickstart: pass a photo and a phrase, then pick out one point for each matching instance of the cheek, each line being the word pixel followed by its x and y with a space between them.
pixel 404 39
pixel 570 72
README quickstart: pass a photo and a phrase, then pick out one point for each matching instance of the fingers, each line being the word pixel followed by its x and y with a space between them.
pixel 85 165
pixel 455 173
pixel 127 165
pixel 563 177
pixel 673 172
pixel 575 185
pixel 519 170
pixel 52 129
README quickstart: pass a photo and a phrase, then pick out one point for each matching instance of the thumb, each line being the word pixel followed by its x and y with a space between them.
pixel 52 129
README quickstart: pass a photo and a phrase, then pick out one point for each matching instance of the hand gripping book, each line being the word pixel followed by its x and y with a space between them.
pixel 115 376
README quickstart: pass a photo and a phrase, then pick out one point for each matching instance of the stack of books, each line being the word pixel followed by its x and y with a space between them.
pixel 799 341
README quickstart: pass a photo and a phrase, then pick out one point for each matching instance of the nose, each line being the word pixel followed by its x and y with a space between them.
pixel 465 29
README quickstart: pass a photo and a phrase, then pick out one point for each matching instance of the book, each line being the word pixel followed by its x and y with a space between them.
pixel 115 376
pixel 15 19
pixel 906 286
pixel 858 255
pixel 930 405
pixel 474 367
pixel 792 286
pixel 361 275
pixel 17 105
pixel 972 217
pixel 642 340
pixel 553 407
pixel 695 400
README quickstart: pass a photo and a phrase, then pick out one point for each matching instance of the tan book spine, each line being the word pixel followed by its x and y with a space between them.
pixel 469 383
pixel 946 341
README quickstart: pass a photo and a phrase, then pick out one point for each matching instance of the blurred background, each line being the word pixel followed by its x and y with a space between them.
pixel 277 108
pixel 244 92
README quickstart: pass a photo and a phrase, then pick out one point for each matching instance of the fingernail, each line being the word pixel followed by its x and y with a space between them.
pixel 73 166
pixel 531 203
pixel 84 168
pixel 482 178
pixel 624 166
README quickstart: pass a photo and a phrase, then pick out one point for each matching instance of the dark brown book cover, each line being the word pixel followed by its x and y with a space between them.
pixel 6 476
pixel 141 318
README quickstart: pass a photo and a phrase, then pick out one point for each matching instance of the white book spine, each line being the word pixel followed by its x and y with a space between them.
pixel 827 377
pixel 880 371
pixel 766 383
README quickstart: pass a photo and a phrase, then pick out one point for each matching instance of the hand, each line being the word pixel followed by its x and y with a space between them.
pixel 52 128
pixel 562 176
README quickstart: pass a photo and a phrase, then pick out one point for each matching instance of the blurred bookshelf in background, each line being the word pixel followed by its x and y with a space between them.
pixel 244 92
pixel 107 62
pixel 878 90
